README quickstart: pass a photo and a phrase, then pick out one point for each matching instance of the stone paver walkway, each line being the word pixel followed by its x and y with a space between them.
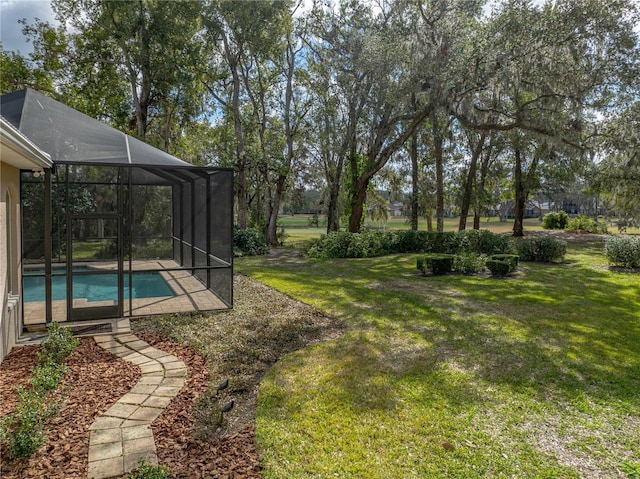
pixel 122 436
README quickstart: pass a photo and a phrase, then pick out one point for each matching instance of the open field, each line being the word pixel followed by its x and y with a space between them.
pixel 456 376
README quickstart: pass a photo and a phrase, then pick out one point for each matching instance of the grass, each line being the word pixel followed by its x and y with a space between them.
pixel 456 376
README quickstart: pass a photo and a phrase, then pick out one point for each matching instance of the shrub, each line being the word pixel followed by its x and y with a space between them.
pixel 623 251
pixel 155 248
pixel 469 263
pixel 512 259
pixel 411 241
pixel 47 376
pixel 542 248
pixel 26 424
pixel 25 427
pixel 555 221
pixel 583 223
pixel 249 242
pixel 437 263
pixel 483 242
pixel 59 346
pixel 499 268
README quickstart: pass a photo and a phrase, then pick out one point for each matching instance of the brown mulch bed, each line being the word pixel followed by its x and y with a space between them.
pixel 234 456
pixel 86 395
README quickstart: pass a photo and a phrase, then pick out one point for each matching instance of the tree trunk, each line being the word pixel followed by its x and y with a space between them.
pixel 333 220
pixel 415 189
pixel 484 167
pixel 272 225
pixel 241 153
pixel 521 195
pixel 467 187
pixel 438 141
pixel 357 205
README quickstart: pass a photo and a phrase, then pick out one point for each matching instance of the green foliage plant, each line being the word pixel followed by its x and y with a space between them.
pixel 146 470
pixel 483 242
pixel 584 223
pixel 623 251
pixel 555 221
pixel 249 242
pixel 469 263
pixel 543 249
pixel 25 424
pixel 59 346
pixel 499 268
pixel 437 263
pixel 512 259
pixel 25 427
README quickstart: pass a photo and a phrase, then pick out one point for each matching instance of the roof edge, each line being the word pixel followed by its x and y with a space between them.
pixel 12 138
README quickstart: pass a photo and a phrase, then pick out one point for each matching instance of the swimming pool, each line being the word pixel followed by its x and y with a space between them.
pixel 94 287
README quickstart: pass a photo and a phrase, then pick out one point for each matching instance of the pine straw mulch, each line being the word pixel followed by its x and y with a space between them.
pixel 95 380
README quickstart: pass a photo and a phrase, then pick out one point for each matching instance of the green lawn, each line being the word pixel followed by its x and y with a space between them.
pixel 456 377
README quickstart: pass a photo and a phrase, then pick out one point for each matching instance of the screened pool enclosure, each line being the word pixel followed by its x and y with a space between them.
pixel 116 228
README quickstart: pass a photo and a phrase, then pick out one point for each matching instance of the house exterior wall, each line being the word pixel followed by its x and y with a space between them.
pixel 10 257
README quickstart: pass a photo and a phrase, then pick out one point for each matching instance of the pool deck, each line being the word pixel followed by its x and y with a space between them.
pixel 190 295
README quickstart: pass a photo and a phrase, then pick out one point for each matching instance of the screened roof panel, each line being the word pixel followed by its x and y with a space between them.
pixel 73 137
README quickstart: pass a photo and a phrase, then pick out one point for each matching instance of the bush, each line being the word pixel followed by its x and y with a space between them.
pixel 512 259
pixel 469 263
pixel 47 376
pixel 623 251
pixel 25 424
pixel 542 248
pixel 368 243
pixel 437 263
pixel 59 346
pixel 499 268
pixel 555 221
pixel 483 242
pixel 25 427
pixel 583 223
pixel 249 242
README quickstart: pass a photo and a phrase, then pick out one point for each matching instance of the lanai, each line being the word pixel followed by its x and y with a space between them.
pixel 116 228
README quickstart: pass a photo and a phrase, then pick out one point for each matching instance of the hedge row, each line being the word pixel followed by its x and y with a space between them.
pixel 368 244
pixel 467 263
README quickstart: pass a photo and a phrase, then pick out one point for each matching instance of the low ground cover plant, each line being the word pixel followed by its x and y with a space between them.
pixel 623 251
pixel 25 429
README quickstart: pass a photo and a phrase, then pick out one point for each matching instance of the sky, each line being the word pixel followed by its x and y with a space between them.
pixel 13 10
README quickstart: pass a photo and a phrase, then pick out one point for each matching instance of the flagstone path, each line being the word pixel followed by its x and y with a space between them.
pixel 122 435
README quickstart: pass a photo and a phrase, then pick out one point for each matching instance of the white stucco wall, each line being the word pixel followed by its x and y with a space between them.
pixel 9 265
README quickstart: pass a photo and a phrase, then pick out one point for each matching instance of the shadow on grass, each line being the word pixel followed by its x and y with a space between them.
pixel 559 330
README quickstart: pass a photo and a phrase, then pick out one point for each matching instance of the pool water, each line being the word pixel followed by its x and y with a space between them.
pixel 95 287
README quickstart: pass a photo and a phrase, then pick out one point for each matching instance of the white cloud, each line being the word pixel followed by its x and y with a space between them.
pixel 11 31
